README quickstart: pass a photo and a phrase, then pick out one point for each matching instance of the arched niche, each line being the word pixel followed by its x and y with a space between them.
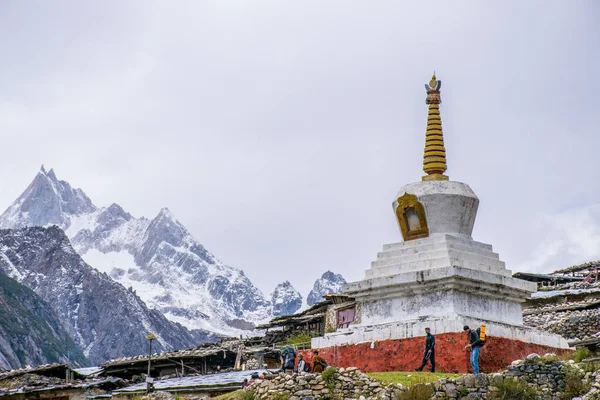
pixel 411 217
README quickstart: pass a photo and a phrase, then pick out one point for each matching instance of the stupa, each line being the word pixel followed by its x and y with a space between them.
pixel 436 277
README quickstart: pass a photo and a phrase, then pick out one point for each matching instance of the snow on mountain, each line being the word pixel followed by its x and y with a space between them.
pixel 104 319
pixel 46 201
pixel 285 299
pixel 157 258
pixel 329 283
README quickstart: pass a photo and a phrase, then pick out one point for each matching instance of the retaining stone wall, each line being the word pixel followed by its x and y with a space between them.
pixel 542 373
pixel 572 325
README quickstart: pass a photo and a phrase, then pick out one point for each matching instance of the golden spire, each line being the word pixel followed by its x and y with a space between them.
pixel 434 159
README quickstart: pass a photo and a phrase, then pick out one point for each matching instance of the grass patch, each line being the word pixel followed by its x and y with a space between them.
pixel 580 354
pixel 511 389
pixel 419 390
pixel 301 338
pixel 248 394
pixel 410 378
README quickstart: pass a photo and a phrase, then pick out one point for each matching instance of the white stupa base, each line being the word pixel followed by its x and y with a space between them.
pixel 443 282
pixel 438 325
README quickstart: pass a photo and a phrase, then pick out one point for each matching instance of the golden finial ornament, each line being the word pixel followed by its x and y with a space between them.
pixel 434 158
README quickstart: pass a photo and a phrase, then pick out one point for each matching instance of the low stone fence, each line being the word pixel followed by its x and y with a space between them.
pixel 545 375
pixel 344 383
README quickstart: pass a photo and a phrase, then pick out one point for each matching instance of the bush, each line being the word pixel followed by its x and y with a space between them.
pixel 246 394
pixel 329 377
pixel 580 354
pixel 511 389
pixel 300 338
pixel 574 384
pixel 418 391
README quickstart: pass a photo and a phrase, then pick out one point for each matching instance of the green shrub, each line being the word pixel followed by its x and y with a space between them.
pixel 418 391
pixel 550 357
pixel 574 383
pixel 246 394
pixel 580 354
pixel 462 392
pixel 329 377
pixel 300 338
pixel 512 389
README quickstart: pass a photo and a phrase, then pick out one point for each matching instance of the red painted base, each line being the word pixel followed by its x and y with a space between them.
pixel 450 354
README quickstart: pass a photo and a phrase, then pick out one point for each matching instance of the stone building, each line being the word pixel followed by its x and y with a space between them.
pixel 567 303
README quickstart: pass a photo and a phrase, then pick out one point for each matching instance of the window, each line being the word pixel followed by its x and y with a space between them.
pixel 345 317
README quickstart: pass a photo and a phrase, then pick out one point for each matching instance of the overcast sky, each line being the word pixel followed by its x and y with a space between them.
pixel 279 132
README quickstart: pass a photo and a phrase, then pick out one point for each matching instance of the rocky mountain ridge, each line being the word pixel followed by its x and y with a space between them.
pixel 30 331
pixel 157 258
pixel 285 299
pixel 329 283
pixel 104 318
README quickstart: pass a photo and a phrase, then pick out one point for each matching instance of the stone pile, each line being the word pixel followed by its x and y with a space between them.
pixel 344 383
pixel 572 325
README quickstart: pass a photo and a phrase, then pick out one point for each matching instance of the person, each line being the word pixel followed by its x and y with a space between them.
pixel 288 360
pixel 319 363
pixel 301 363
pixel 429 354
pixel 245 384
pixel 474 346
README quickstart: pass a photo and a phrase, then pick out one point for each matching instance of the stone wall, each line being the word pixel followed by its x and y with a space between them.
pixel 544 374
pixel 345 383
pixel 571 324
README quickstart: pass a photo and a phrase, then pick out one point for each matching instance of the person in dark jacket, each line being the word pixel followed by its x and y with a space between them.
pixel 429 354
pixel 474 346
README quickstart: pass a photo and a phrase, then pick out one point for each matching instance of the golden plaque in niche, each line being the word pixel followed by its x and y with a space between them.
pixel 411 217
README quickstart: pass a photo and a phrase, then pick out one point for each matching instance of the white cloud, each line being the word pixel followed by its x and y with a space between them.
pixel 570 237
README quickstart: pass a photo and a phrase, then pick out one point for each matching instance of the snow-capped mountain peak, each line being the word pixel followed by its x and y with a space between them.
pixel 285 299
pixel 329 283
pixel 46 201
pixel 158 258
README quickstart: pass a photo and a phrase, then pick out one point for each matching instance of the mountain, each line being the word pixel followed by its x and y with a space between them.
pixel 46 201
pixel 103 317
pixel 158 258
pixel 285 299
pixel 327 284
pixel 30 331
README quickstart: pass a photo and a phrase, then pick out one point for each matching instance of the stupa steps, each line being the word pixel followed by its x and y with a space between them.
pixel 433 263
pixel 447 253
pixel 433 248
pixel 437 238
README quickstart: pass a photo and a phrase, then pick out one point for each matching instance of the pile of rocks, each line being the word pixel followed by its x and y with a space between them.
pixel 468 386
pixel 344 383
pixel 545 374
pixel 572 324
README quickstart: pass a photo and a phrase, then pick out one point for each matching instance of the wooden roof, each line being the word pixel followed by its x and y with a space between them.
pixel 54 369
